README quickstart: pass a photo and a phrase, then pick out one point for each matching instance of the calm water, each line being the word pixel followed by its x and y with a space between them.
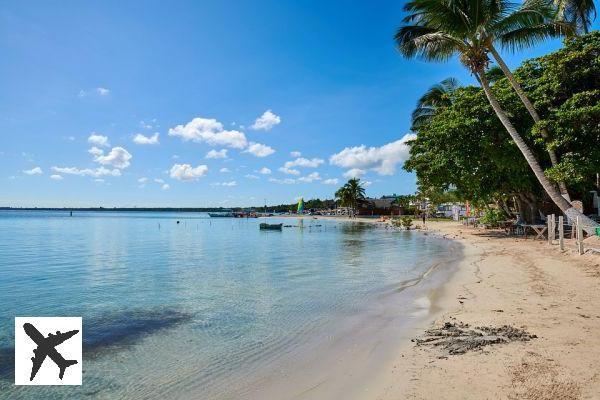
pixel 201 306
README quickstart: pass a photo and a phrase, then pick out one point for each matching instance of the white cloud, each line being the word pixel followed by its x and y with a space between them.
pixel 217 154
pixel 101 171
pixel 185 172
pixel 224 170
pixel 209 131
pixel 310 177
pixel 165 186
pixel 158 180
pixel 226 184
pixel 96 152
pixel 118 157
pixel 382 159
pixel 266 121
pixel 149 125
pixel 295 154
pixel 56 177
pixel 287 181
pixel 304 162
pixel 289 171
pixel 331 181
pixel 142 139
pixel 259 150
pixel 142 180
pixel 354 173
pixel 33 171
pixel 98 140
pixel 250 176
pixel 366 183
pixel 264 171
pixel 102 91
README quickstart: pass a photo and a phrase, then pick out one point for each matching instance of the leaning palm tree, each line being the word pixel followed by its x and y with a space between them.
pixel 439 95
pixel 437 30
pixel 580 13
pixel 501 21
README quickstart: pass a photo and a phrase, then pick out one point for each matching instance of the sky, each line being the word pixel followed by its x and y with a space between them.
pixel 205 103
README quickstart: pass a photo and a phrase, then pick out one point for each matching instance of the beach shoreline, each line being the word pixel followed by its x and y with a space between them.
pixel 523 283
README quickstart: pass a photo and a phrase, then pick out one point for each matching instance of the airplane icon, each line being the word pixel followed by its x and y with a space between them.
pixel 46 347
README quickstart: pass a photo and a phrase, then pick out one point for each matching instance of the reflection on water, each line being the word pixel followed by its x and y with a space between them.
pixel 198 306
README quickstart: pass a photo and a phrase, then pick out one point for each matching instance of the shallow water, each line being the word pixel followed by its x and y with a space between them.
pixel 206 306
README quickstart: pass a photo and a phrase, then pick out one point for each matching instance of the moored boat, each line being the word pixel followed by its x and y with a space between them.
pixel 272 227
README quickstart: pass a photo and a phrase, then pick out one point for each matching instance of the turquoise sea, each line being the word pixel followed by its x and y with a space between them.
pixel 204 308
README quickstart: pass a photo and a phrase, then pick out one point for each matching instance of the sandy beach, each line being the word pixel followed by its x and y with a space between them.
pixel 501 281
pixel 522 283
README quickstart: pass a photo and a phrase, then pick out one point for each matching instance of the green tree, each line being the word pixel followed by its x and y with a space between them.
pixel 581 13
pixel 436 31
pixel 464 145
pixel 351 194
pixel 439 95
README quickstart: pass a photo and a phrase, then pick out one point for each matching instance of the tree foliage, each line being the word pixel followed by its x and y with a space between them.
pixel 464 146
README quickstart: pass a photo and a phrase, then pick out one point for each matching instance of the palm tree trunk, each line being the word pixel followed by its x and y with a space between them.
pixel 557 198
pixel 530 108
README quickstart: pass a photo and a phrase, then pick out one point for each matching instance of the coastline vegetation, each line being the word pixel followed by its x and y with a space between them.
pixel 549 106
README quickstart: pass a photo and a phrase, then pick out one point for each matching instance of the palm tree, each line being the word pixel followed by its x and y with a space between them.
pixel 580 13
pixel 437 30
pixel 351 194
pixel 439 95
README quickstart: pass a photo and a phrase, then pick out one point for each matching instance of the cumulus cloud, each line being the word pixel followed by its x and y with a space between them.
pixel 287 181
pixel 259 150
pixel 226 184
pixel 142 180
pixel 97 172
pixel 209 131
pixel 56 177
pixel 382 160
pixel 331 181
pixel 165 186
pixel 33 171
pixel 224 170
pixel 102 91
pixel 295 154
pixel 142 139
pixel 304 162
pixel 250 176
pixel 310 177
pixel 185 172
pixel 289 171
pixel 264 171
pixel 118 157
pixel 266 121
pixel 217 154
pixel 98 140
pixel 95 151
pixel 158 180
pixel 355 173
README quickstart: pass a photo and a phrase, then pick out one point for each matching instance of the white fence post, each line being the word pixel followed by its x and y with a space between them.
pixel 579 236
pixel 561 233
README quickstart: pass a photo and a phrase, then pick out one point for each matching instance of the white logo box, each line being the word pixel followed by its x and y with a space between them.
pixel 47 332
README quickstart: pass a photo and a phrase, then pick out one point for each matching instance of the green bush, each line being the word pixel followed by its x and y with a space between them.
pixel 492 217
pixel 406 222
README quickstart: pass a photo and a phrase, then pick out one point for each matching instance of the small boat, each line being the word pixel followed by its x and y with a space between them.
pixel 271 227
pixel 225 214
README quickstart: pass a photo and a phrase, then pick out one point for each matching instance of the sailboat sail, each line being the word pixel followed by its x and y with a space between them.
pixel 300 205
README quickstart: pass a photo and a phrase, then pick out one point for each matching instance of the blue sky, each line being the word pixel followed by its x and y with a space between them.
pixel 81 80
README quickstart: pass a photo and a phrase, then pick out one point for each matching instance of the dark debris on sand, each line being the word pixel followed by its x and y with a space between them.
pixel 459 338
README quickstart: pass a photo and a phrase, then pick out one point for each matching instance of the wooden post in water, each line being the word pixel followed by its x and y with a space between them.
pixel 561 233
pixel 579 236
